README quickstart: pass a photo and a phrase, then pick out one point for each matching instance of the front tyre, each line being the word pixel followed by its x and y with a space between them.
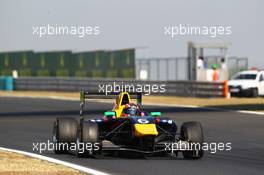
pixel 193 133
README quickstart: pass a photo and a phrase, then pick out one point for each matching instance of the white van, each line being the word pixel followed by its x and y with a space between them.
pixel 247 83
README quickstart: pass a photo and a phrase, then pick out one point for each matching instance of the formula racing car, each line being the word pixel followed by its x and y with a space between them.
pixel 126 128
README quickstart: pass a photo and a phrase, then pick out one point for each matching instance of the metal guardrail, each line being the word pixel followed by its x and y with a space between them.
pixel 172 88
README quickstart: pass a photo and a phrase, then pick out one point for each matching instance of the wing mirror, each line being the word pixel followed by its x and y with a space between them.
pixel 155 114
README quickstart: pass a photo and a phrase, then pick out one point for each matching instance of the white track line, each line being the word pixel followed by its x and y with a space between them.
pixel 53 160
pixel 172 105
pixel 148 104
pixel 251 112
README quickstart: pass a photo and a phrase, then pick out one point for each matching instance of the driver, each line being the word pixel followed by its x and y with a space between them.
pixel 132 109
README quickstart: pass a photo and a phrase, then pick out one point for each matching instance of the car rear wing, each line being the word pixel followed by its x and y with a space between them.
pixel 84 95
pixel 97 95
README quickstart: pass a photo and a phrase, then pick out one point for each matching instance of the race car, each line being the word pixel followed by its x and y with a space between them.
pixel 126 128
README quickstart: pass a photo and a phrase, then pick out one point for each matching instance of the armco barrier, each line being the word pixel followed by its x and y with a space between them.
pixel 172 88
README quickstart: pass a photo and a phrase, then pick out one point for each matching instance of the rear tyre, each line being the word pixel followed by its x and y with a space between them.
pixel 254 92
pixel 88 140
pixel 64 133
pixel 193 133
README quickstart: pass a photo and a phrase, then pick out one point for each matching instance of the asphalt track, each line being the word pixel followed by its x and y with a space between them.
pixel 24 121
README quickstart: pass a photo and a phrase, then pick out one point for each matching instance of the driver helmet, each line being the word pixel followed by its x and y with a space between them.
pixel 131 109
